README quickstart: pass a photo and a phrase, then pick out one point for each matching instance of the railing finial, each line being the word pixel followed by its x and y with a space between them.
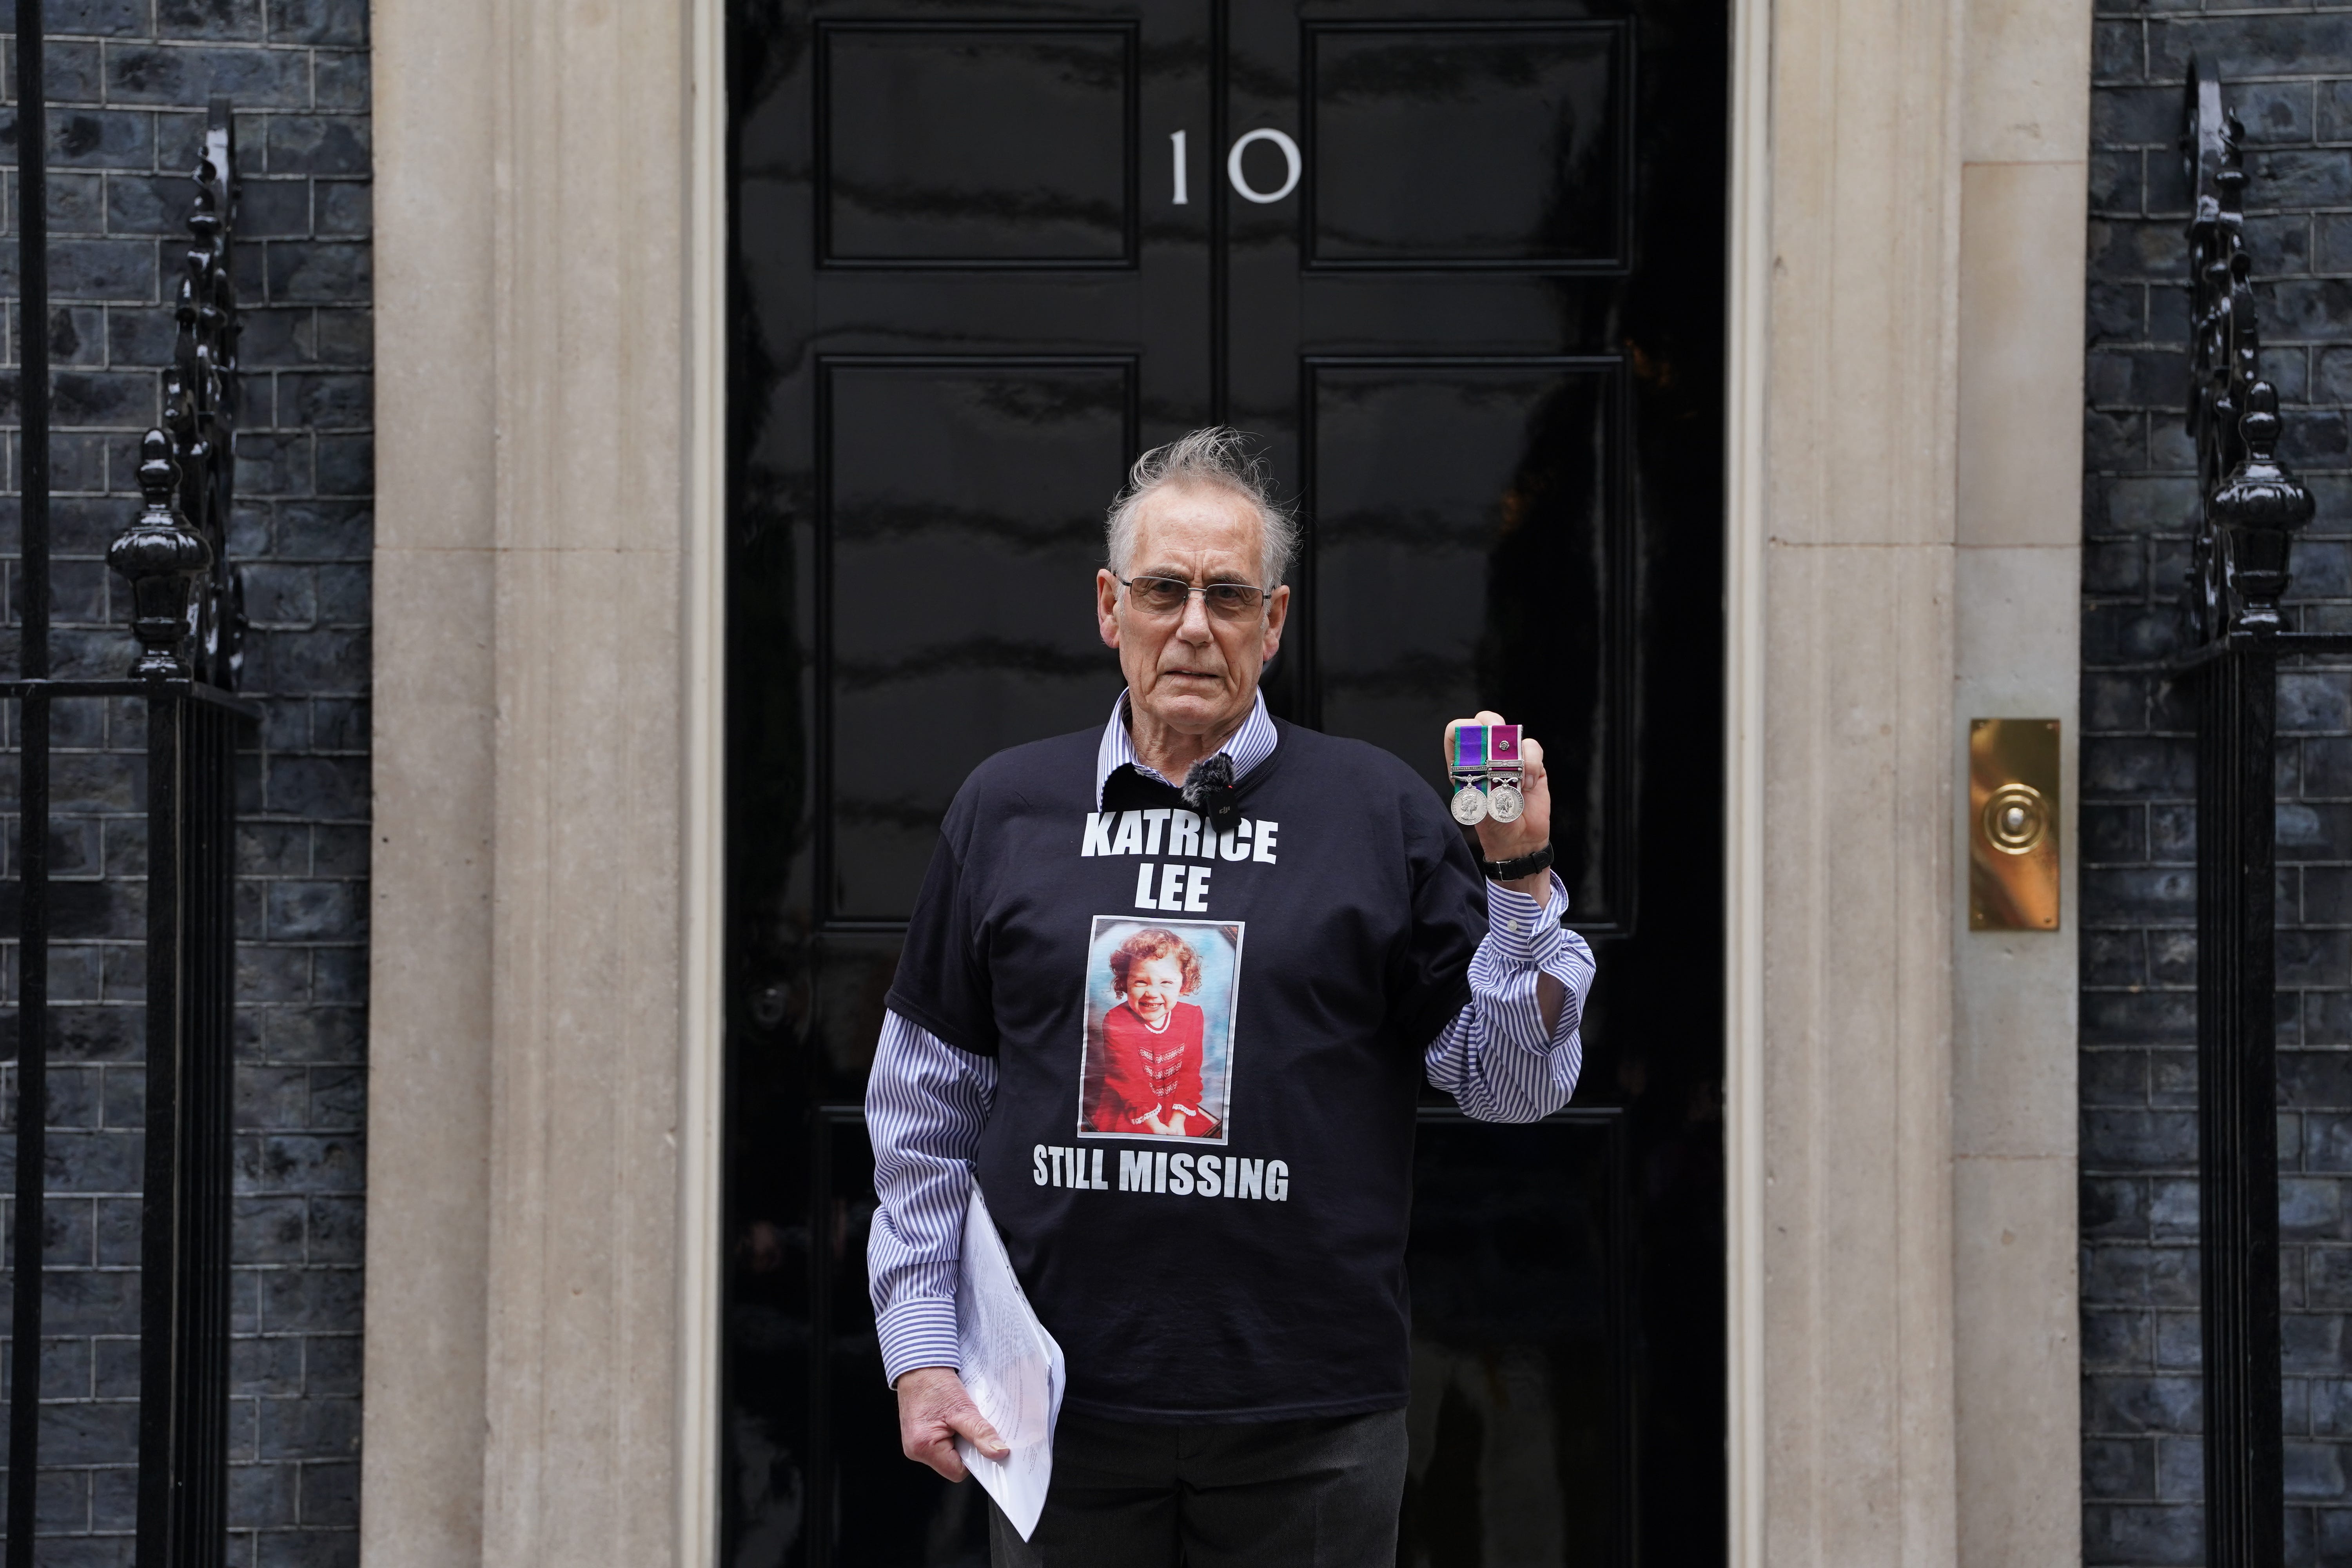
pixel 162 559
pixel 2254 513
pixel 2250 503
pixel 199 436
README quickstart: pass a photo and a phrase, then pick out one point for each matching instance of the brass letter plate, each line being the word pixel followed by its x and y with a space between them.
pixel 2013 825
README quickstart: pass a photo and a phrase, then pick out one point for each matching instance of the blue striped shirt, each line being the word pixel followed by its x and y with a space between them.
pixel 927 1101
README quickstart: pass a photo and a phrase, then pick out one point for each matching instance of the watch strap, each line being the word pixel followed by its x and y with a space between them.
pixel 1526 864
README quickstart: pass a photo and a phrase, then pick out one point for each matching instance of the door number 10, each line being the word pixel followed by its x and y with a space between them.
pixel 1292 163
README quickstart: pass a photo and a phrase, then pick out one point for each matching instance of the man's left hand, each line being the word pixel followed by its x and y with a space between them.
pixel 1510 840
pixel 1532 831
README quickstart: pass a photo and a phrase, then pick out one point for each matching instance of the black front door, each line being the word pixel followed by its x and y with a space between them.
pixel 1461 266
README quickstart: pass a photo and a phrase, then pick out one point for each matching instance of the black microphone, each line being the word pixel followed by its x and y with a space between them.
pixel 1209 786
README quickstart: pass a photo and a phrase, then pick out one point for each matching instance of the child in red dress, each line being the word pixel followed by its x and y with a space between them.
pixel 1152 1043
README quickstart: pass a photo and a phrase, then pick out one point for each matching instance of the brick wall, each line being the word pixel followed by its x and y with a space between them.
pixel 127 83
pixel 2288 73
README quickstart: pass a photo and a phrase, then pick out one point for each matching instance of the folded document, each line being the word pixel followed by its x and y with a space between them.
pixel 1013 1369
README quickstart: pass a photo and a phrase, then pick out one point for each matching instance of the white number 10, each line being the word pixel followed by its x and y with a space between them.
pixel 1293 166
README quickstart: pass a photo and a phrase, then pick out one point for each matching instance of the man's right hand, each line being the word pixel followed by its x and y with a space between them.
pixel 933 1409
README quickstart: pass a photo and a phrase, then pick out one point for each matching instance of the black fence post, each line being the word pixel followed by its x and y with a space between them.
pixel 160 1219
pixel 2251 507
pixel 2237 1092
pixel 32 803
pixel 188 618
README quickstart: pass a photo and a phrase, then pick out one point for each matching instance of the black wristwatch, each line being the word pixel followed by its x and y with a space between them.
pixel 1526 864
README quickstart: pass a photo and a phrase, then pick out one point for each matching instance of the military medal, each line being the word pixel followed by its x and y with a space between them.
pixel 1468 767
pixel 1504 801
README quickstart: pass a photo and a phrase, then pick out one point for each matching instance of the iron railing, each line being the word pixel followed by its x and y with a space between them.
pixel 187 619
pixel 2251 507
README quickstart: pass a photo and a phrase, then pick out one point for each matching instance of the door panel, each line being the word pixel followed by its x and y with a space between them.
pixel 1480 338
pixel 1466 531
pixel 962 496
pixel 960 145
pixel 1533 111
pixel 1520 1419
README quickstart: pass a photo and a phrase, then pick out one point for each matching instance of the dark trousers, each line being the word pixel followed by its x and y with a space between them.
pixel 1245 1494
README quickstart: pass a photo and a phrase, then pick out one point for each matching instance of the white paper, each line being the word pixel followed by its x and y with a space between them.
pixel 1013 1369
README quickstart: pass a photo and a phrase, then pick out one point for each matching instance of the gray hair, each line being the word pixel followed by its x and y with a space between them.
pixel 1218 455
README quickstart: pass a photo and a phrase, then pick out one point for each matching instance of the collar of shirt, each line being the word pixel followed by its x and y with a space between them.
pixel 1249 745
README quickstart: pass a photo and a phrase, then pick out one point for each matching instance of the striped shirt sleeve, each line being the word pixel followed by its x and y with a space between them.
pixel 926 1103
pixel 1496 1058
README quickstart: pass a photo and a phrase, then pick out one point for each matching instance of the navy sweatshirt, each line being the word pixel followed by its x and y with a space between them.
pixel 1209 1038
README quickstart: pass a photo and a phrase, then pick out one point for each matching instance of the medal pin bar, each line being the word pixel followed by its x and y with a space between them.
pixel 1468 768
pixel 1503 771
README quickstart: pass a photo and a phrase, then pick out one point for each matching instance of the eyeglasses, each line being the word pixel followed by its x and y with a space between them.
pixel 1166 597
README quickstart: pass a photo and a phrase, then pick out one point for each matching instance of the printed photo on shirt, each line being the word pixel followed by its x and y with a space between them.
pixel 1160 1029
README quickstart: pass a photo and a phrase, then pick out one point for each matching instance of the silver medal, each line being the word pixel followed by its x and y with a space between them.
pixel 1470 806
pixel 1505 803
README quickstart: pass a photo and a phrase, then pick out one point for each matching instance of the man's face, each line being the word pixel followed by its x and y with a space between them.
pixel 1195 672
pixel 1153 987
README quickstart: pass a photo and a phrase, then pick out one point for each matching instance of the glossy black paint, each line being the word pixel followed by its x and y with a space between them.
pixel 1482 340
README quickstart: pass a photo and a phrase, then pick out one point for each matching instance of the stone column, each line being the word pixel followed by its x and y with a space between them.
pixel 533 1393
pixel 1849 1058
pixel 2025 140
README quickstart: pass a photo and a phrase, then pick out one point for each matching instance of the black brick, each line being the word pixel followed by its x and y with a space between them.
pixel 2116 440
pixel 2251 45
pixel 337 1230
pixel 2141 896
pixel 2316 310
pixel 209 19
pixel 329 402
pixel 2312 1345
pixel 346 465
pixel 310 1299
pixel 2127 633
pixel 265 1496
pixel 345 337
pixel 2118 51
pixel 338 22
pixel 2115 1078
pixel 2315 830
pixel 2141 1405
pixel 331 1494
pixel 2116 183
pixel 318 144
pixel 345 207
pixel 2316 1080
pixel 254 79
pixel 307 1549
pixel 341 81
pixel 333 789
pixel 329 530
pixel 312 1429
pixel 2118 1341
pixel 2129 767
pixel 91 138
pixel 300 1162
pixel 2172 1208
pixel 2112 701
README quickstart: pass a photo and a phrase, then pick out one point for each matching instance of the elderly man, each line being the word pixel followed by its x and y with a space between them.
pixel 1270 953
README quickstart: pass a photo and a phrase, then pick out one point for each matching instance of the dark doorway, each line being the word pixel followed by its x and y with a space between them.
pixel 1465 275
